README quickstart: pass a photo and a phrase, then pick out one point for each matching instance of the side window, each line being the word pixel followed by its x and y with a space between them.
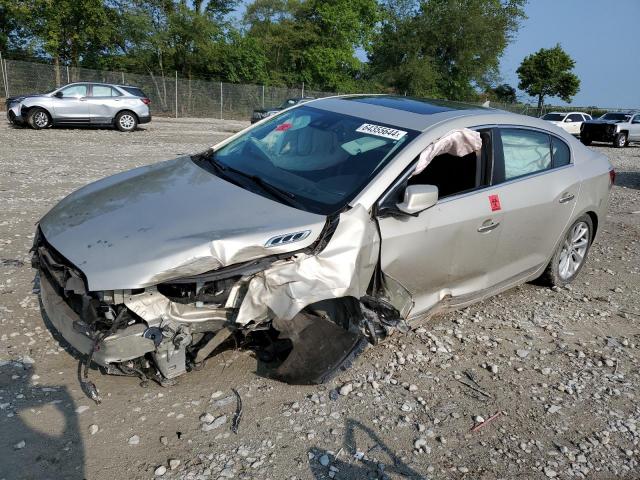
pixel 575 117
pixel 560 152
pixel 453 175
pixel 104 91
pixel 586 117
pixel 636 119
pixel 75 91
pixel 524 152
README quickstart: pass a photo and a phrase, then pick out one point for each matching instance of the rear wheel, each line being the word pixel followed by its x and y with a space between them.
pixel 126 121
pixel 571 254
pixel 39 118
pixel 620 140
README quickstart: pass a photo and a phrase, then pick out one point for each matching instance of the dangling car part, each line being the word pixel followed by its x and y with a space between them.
pixel 314 233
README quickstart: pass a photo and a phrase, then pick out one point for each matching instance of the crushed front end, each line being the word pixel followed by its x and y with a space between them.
pixel 310 329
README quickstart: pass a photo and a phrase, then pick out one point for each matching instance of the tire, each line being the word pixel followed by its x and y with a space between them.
pixel 126 121
pixel 620 140
pixel 585 140
pixel 558 273
pixel 39 118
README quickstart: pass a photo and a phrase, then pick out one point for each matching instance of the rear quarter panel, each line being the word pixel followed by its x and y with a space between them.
pixel 594 194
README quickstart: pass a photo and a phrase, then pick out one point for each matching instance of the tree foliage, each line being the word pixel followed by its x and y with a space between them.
pixel 504 93
pixel 548 73
pixel 445 48
pixel 442 48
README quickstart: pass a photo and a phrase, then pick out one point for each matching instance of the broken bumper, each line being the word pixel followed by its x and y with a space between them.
pixel 126 344
pixel 14 114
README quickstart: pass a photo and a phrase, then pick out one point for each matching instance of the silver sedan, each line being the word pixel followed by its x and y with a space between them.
pixel 315 233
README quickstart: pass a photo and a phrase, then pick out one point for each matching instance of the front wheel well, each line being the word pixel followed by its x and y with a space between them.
pixel 24 111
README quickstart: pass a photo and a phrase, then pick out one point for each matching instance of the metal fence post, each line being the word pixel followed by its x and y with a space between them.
pixel 68 78
pixel 176 94
pixel 262 96
pixel 123 78
pixel 4 85
pixel 302 95
pixel 5 77
pixel 220 100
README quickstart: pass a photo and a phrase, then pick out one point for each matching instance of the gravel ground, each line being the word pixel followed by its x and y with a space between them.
pixel 559 368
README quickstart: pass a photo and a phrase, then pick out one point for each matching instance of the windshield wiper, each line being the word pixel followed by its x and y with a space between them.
pixel 285 196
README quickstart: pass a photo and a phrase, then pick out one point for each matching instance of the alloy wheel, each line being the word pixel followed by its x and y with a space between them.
pixel 41 119
pixel 127 121
pixel 574 250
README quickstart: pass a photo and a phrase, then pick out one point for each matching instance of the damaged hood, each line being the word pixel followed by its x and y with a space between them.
pixel 166 221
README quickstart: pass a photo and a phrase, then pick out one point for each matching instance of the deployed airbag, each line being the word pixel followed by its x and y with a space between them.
pixel 458 143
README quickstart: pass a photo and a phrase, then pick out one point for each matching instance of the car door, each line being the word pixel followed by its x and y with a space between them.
pixel 572 123
pixel 70 104
pixel 537 186
pixel 103 103
pixel 634 128
pixel 448 248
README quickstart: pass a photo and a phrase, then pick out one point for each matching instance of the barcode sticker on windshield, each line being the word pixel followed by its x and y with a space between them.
pixel 381 131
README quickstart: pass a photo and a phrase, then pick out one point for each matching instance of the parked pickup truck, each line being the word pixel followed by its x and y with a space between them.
pixel 618 128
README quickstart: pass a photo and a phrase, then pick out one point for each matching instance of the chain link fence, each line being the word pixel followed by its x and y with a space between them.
pixel 183 97
pixel 170 95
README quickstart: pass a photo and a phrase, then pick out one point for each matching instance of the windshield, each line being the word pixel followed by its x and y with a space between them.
pixel 319 159
pixel 554 117
pixel 616 116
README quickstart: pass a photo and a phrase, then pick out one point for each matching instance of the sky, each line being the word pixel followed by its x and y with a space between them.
pixel 602 36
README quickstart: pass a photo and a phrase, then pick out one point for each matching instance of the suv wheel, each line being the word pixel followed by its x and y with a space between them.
pixel 39 118
pixel 571 254
pixel 126 121
pixel 620 140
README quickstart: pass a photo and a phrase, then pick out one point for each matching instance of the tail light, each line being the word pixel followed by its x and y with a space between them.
pixel 146 101
pixel 612 177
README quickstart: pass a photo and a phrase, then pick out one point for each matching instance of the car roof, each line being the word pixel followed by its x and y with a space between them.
pixel 100 83
pixel 403 112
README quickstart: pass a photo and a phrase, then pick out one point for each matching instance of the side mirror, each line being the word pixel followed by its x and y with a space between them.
pixel 418 198
pixel 59 94
pixel 568 120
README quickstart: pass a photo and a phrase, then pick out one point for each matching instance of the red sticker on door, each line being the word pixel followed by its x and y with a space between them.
pixel 494 201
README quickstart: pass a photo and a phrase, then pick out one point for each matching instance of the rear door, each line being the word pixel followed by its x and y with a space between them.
pixel 537 186
pixel 104 103
pixel 447 249
pixel 72 107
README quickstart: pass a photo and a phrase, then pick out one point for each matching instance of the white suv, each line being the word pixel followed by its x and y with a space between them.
pixel 568 121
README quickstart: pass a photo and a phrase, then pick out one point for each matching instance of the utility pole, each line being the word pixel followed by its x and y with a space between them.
pixel 176 94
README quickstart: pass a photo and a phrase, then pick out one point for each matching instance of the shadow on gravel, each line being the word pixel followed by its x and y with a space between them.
pixel 628 180
pixel 40 436
pixel 371 459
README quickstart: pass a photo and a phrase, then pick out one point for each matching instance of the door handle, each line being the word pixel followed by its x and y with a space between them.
pixel 487 228
pixel 567 197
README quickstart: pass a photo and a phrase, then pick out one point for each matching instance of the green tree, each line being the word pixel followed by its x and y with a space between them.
pixel 312 41
pixel 446 48
pixel 548 73
pixel 70 31
pixel 504 93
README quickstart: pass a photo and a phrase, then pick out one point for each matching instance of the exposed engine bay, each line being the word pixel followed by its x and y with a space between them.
pixel 307 333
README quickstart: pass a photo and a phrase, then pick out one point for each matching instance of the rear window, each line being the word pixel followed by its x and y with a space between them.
pixel 135 91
